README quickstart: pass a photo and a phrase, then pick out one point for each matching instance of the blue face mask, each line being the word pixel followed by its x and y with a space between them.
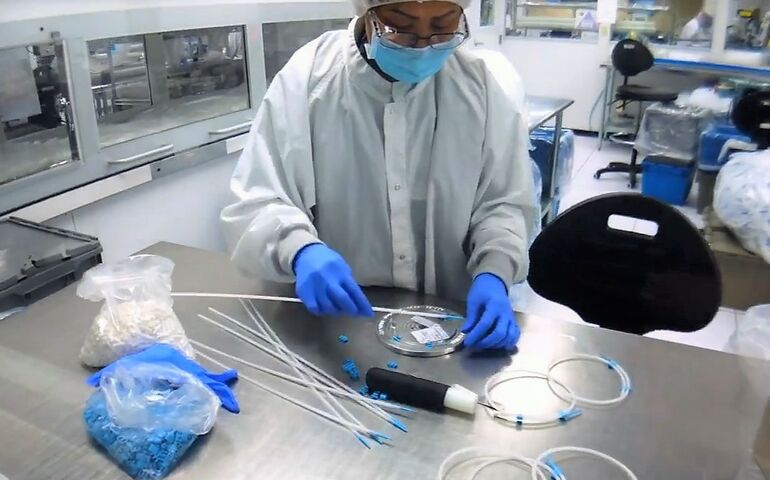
pixel 410 65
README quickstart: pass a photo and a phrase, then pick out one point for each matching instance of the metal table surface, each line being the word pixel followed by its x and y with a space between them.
pixel 693 413
pixel 541 110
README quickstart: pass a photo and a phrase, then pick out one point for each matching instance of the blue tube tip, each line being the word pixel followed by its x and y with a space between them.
pixel 399 425
pixel 361 439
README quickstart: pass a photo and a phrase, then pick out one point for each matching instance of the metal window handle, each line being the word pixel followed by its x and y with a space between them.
pixel 139 156
pixel 234 128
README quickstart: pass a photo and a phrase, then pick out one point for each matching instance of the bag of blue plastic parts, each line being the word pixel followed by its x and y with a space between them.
pixel 147 415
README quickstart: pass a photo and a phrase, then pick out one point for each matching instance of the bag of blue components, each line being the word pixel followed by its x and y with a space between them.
pixel 151 407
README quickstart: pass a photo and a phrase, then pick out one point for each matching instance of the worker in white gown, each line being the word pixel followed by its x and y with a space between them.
pixel 385 156
pixel 699 29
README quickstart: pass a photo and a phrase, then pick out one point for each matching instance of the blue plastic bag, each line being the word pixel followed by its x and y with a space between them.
pixel 147 415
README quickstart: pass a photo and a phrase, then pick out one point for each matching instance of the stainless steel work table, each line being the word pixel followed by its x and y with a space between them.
pixel 693 413
pixel 541 110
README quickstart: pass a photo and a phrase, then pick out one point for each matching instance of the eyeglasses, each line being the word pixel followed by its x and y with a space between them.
pixel 437 41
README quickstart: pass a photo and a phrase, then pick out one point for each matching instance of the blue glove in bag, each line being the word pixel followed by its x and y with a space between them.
pixel 490 320
pixel 325 283
pixel 146 415
pixel 162 353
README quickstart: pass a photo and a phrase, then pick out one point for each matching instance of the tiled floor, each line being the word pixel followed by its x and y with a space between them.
pixel 587 160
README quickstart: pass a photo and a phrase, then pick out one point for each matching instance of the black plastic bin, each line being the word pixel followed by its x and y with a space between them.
pixel 36 260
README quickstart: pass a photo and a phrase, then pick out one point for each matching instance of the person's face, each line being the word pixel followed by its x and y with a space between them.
pixel 705 20
pixel 421 18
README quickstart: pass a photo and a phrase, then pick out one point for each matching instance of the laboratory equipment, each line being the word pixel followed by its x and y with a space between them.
pixel 37 129
pixel 420 392
pixel 144 84
pixel 410 332
pixel 37 260
pixel 579 20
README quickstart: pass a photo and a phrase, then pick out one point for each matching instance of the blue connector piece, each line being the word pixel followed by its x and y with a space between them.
pixel 396 338
pixel 557 472
pixel 351 369
pixel 567 415
pixel 519 419
pixel 343 339
pixel 393 364
pixel 364 390
pixel 383 396
pixel 429 345
pixel 375 395
pixel 611 364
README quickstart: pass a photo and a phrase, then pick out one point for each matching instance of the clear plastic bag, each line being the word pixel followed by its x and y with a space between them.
pixel 159 395
pixel 742 200
pixel 671 131
pixel 752 335
pixel 137 310
pixel 147 415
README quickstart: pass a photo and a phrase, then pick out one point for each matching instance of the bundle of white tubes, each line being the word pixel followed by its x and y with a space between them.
pixel 473 460
pixel 509 413
pixel 326 389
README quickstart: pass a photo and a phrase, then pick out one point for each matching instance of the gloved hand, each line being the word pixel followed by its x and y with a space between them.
pixel 325 283
pixel 162 353
pixel 490 320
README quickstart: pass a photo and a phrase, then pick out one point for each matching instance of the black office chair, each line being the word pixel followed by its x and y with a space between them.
pixel 627 281
pixel 630 58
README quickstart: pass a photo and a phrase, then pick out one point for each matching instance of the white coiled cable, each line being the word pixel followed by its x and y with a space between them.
pixel 506 412
pixel 487 458
pixel 625 380
pixel 546 456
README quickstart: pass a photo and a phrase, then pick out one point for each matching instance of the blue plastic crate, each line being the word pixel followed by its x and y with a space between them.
pixel 711 143
pixel 667 182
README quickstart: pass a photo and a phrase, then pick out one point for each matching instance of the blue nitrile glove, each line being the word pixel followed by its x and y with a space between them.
pixel 162 353
pixel 490 321
pixel 325 283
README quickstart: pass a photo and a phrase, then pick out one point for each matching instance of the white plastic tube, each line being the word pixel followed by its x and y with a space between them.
pixel 342 423
pixel 289 358
pixel 625 380
pixel 273 298
pixel 295 380
pixel 486 457
pixel 321 374
pixel 583 451
pixel 508 412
